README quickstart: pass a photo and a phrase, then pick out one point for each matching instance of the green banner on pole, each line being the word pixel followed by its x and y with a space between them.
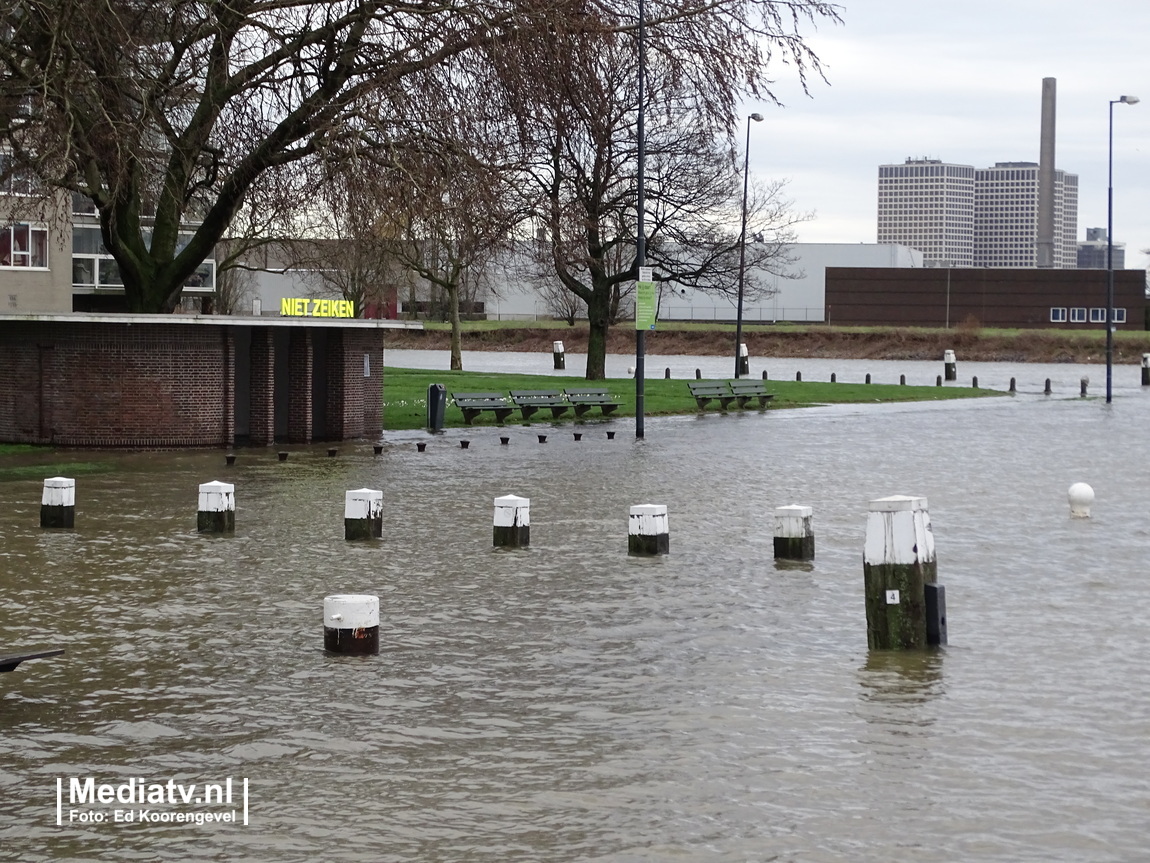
pixel 645 300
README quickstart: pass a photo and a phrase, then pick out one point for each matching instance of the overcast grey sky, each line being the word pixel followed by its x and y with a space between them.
pixel 962 82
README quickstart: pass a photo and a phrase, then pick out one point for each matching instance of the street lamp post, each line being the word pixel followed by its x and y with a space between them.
pixel 758 118
pixel 1126 100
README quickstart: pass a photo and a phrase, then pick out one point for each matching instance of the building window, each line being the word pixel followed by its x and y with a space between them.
pixel 1098 316
pixel 1078 316
pixel 1119 316
pixel 1058 316
pixel 24 245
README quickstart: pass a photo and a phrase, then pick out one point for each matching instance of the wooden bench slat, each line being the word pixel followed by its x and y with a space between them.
pixel 473 404
pixel 584 399
pixel 529 401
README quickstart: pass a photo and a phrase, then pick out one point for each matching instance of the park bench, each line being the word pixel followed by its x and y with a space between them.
pixel 707 391
pixel 583 399
pixel 473 404
pixel 745 389
pixel 529 401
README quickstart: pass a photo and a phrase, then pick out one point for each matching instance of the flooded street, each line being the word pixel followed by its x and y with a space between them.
pixel 567 702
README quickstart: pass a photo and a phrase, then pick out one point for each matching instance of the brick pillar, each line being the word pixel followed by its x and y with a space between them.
pixel 262 421
pixel 228 387
pixel 301 369
pixel 365 397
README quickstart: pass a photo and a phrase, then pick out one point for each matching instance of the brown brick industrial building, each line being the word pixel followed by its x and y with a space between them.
pixel 1024 298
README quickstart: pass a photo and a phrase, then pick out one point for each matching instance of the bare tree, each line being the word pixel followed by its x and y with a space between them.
pixel 578 109
pixel 167 113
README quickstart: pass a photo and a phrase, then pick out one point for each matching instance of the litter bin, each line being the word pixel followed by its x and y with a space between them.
pixel 436 406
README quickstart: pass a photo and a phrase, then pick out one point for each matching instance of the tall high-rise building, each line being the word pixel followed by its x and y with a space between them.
pixel 1093 252
pixel 959 216
pixel 928 204
pixel 1006 216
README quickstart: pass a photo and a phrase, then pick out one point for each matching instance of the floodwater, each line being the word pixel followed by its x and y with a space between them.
pixel 567 702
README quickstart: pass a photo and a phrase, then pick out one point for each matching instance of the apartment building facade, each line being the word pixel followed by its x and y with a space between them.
pixel 960 216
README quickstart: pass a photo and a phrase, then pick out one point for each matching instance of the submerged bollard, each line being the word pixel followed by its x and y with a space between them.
pixel 667 373
pixel 464 444
pixel 1013 386
pixel 868 377
pixel 794 539
pixel 558 355
pixel 58 502
pixel 648 530
pixel 1047 390
pixel 1080 495
pixel 332 452
pixel 610 435
pixel 1084 383
pixel 351 624
pixel 898 563
pixel 974 382
pixel 504 441
pixel 798 376
pixel 512 525
pixel 542 438
pixel 377 448
pixel 902 380
pixel 230 459
pixel 363 513
pixel 421 447
pixel 744 359
pixel 217 509
pixel 282 455
pixel 949 366
pixel 578 435
pixel 1146 370
pixel 833 378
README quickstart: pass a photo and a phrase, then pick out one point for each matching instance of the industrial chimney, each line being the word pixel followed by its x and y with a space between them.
pixel 1045 250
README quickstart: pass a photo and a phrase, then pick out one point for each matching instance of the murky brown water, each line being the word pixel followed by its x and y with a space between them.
pixel 569 703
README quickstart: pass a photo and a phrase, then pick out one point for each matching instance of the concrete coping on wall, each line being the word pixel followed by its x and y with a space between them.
pixel 213 320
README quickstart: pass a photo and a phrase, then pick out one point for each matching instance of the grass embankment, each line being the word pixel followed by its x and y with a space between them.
pixel 973 344
pixel 405 395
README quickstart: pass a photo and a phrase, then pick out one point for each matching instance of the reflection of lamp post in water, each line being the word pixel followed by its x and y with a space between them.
pixel 758 118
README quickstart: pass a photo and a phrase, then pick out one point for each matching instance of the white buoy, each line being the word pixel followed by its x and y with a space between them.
pixel 648 529
pixel 794 539
pixel 58 502
pixel 351 623
pixel 363 513
pixel 1080 496
pixel 217 509
pixel 558 355
pixel 512 523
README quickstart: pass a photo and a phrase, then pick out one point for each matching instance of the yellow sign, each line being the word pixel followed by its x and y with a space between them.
pixel 304 308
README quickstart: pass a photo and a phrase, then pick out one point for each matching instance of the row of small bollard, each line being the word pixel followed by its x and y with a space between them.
pixel 905 605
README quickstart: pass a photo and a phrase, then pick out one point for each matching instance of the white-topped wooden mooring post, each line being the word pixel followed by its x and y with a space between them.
pixel 58 502
pixel 648 529
pixel 949 366
pixel 744 360
pixel 1146 370
pixel 905 606
pixel 794 539
pixel 351 623
pixel 363 513
pixel 217 508
pixel 512 525
pixel 558 355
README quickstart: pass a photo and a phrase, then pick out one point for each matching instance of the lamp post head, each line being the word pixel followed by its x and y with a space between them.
pixel 758 118
pixel 1129 100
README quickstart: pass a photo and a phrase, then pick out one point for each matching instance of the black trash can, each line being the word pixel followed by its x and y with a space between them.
pixel 436 406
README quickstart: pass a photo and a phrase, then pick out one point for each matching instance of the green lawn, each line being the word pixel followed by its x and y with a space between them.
pixel 405 395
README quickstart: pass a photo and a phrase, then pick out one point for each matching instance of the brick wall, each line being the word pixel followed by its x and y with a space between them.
pixel 103 384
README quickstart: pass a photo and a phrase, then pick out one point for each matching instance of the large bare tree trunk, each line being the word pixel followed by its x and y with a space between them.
pixel 599 322
pixel 456 340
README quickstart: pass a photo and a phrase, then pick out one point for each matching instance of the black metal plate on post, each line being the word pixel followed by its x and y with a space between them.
pixel 935 595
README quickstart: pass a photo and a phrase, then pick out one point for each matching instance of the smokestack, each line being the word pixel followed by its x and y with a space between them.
pixel 1046 177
